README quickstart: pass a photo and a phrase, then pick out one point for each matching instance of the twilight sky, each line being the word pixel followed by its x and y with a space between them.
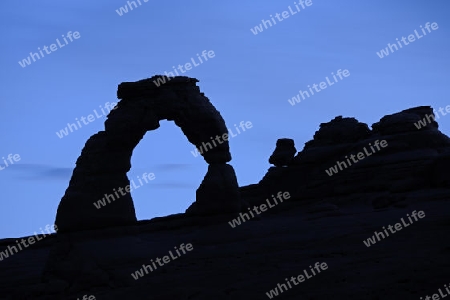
pixel 250 78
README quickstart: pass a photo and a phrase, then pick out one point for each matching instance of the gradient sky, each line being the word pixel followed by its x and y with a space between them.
pixel 250 78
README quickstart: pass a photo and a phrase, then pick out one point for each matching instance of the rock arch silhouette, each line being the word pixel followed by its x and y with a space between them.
pixel 106 157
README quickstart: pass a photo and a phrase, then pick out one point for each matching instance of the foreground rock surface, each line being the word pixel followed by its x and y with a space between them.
pixel 247 261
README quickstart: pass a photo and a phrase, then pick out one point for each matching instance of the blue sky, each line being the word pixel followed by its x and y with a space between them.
pixel 250 78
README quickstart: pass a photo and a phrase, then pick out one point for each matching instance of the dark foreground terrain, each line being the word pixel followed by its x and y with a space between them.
pixel 248 261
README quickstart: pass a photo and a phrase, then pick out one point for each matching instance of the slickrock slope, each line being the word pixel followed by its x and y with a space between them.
pixel 327 219
pixel 247 261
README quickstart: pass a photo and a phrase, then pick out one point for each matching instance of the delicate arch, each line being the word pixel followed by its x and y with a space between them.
pixel 105 159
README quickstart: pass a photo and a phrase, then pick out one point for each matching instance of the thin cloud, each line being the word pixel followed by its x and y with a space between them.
pixel 41 172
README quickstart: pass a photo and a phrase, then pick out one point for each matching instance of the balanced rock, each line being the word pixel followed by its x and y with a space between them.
pixel 283 153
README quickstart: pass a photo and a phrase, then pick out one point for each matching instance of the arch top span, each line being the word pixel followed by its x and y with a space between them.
pixel 146 102
pixel 105 158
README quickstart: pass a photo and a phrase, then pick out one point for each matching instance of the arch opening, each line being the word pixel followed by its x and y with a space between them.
pixel 166 153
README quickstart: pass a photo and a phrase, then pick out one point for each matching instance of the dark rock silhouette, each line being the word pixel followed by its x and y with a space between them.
pixel 404 121
pixel 104 161
pixel 409 162
pixel 326 220
pixel 339 130
pixel 283 153
pixel 214 194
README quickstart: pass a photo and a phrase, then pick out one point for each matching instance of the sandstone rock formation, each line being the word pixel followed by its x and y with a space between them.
pixel 214 194
pixel 283 153
pixel 104 161
pixel 414 159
